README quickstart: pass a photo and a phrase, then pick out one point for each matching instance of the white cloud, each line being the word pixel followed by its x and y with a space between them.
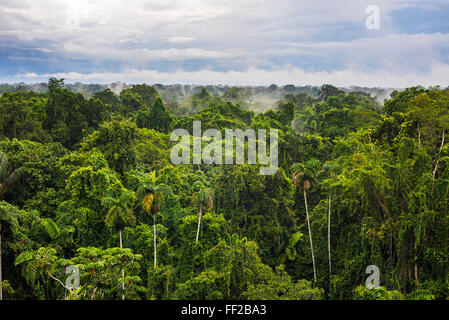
pixel 253 76
pixel 180 39
pixel 216 22
pixel 315 37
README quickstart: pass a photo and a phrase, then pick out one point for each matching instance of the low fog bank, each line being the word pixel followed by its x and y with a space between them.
pixel 256 98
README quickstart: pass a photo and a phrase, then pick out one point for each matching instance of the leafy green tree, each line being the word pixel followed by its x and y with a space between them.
pixel 38 267
pixel 237 95
pixel 98 272
pixel 143 119
pixel 131 102
pixel 22 118
pixel 287 111
pixel 63 117
pixel 108 97
pixel 117 141
pixel 147 93
pixel 94 196
pixel 281 287
pixel 328 90
pixel 160 119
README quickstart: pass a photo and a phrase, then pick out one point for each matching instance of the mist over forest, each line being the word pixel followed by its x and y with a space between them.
pixel 178 97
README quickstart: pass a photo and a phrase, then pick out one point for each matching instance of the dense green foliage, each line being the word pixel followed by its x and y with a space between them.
pixel 89 182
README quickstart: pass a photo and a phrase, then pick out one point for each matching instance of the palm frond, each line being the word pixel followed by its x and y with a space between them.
pixel 152 177
pixel 147 202
pixel 297 167
pixel 51 227
pixel 205 198
pixel 197 185
pixel 24 257
pixel 111 216
pixel 108 202
pixel 291 253
pixel 295 238
pixel 297 178
pixel 131 218
pixel 421 294
pixel 15 176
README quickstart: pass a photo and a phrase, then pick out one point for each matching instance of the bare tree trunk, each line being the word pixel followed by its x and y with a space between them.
pixel 329 237
pixel 310 236
pixel 435 170
pixel 123 271
pixel 199 224
pixel 154 240
pixel 437 161
pixel 1 279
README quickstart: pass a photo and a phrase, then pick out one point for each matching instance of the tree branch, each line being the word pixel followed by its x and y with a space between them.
pixel 62 284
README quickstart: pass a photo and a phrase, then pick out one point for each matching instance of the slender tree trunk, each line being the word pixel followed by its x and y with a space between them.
pixel 199 224
pixel 123 271
pixel 329 237
pixel 416 258
pixel 410 278
pixel 310 235
pixel 1 279
pixel 416 273
pixel 435 170
pixel 154 240
pixel 437 161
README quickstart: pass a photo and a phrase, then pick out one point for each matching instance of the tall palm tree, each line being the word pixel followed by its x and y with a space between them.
pixel 329 236
pixel 8 221
pixel 120 215
pixel 328 172
pixel 302 177
pixel 151 196
pixel 8 177
pixel 202 197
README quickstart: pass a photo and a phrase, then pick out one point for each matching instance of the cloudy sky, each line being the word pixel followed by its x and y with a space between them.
pixel 236 42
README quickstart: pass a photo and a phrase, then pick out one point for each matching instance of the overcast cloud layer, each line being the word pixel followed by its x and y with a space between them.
pixel 225 42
